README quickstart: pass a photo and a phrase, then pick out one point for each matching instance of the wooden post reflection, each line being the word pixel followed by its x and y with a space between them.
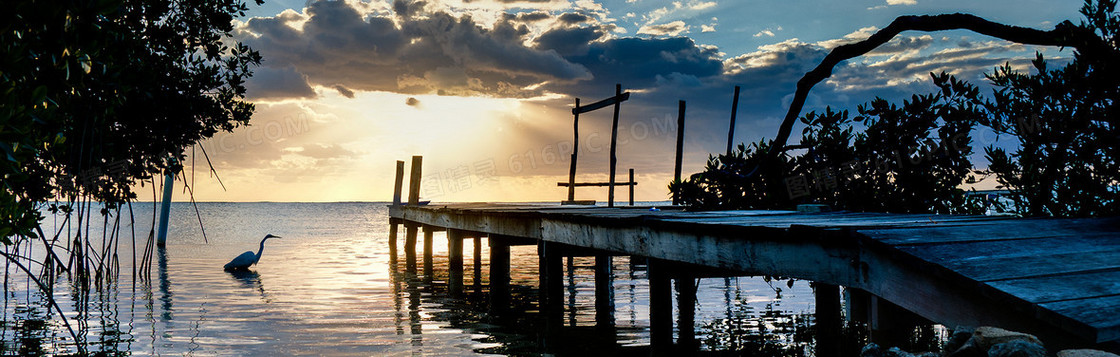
pixel 410 248
pixel 428 230
pixel 686 318
pixel 478 262
pixel 604 291
pixel 660 306
pixel 551 284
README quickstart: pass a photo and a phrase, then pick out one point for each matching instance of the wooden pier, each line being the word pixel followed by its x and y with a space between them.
pixel 1056 278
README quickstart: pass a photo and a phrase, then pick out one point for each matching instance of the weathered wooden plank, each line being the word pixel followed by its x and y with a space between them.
pixel 1012 247
pixel 1001 229
pixel 619 98
pixel 1062 286
pixel 1102 313
pixel 1041 264
pixel 596 184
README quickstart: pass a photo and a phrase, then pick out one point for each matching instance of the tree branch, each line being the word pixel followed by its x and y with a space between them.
pixel 1065 34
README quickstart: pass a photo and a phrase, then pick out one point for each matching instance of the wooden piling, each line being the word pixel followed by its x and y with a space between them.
pixel 393 245
pixel 660 306
pixel 828 325
pixel 731 129
pixel 414 181
pixel 551 283
pixel 614 140
pixel 499 273
pixel 410 247
pixel 680 149
pixel 428 253
pixel 398 185
pixel 455 260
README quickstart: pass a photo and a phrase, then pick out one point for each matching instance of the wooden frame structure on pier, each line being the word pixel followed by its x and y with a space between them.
pixel 616 101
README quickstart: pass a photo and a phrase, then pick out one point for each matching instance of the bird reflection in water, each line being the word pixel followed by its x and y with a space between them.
pixel 250 279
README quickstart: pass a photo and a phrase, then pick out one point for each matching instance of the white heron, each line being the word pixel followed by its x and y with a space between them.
pixel 247 259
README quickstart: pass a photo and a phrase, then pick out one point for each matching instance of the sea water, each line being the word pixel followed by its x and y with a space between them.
pixel 331 287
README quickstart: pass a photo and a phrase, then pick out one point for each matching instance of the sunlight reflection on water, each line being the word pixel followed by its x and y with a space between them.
pixel 328 288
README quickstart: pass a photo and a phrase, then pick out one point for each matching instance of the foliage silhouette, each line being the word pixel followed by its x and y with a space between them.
pixel 101 94
pixel 914 157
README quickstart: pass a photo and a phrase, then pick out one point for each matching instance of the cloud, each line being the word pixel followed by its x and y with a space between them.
pixel 569 41
pixel 572 18
pixel 894 3
pixel 278 83
pixel 766 33
pixel 322 151
pixel 856 36
pixel 345 92
pixel 332 43
pixel 674 28
pixel 708 28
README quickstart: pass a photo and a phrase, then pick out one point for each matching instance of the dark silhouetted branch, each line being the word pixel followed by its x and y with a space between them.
pixel 1065 34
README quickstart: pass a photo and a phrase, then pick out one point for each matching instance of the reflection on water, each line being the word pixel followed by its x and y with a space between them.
pixel 333 287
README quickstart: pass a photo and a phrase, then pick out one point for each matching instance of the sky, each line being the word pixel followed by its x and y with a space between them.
pixel 483 89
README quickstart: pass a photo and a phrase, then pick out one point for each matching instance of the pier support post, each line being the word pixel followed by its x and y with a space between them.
pixel 478 261
pixel 827 318
pixel 393 226
pixel 686 318
pixel 604 291
pixel 551 283
pixel 499 274
pixel 857 306
pixel 455 260
pixel 410 247
pixel 428 253
pixel 660 306
pixel 891 325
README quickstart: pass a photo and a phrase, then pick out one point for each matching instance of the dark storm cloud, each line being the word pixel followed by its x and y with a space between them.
pixel 574 41
pixel 337 45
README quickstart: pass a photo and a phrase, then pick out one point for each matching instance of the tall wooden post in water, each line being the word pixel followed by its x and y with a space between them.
pixel 414 181
pixel 575 155
pixel 680 150
pixel 731 130
pixel 398 184
pixel 614 139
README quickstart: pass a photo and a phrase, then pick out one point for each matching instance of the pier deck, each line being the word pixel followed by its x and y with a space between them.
pixel 1057 278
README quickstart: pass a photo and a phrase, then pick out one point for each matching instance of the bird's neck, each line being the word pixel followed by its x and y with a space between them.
pixel 259 251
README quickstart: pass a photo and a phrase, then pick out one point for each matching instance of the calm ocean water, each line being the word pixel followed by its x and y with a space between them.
pixel 329 287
